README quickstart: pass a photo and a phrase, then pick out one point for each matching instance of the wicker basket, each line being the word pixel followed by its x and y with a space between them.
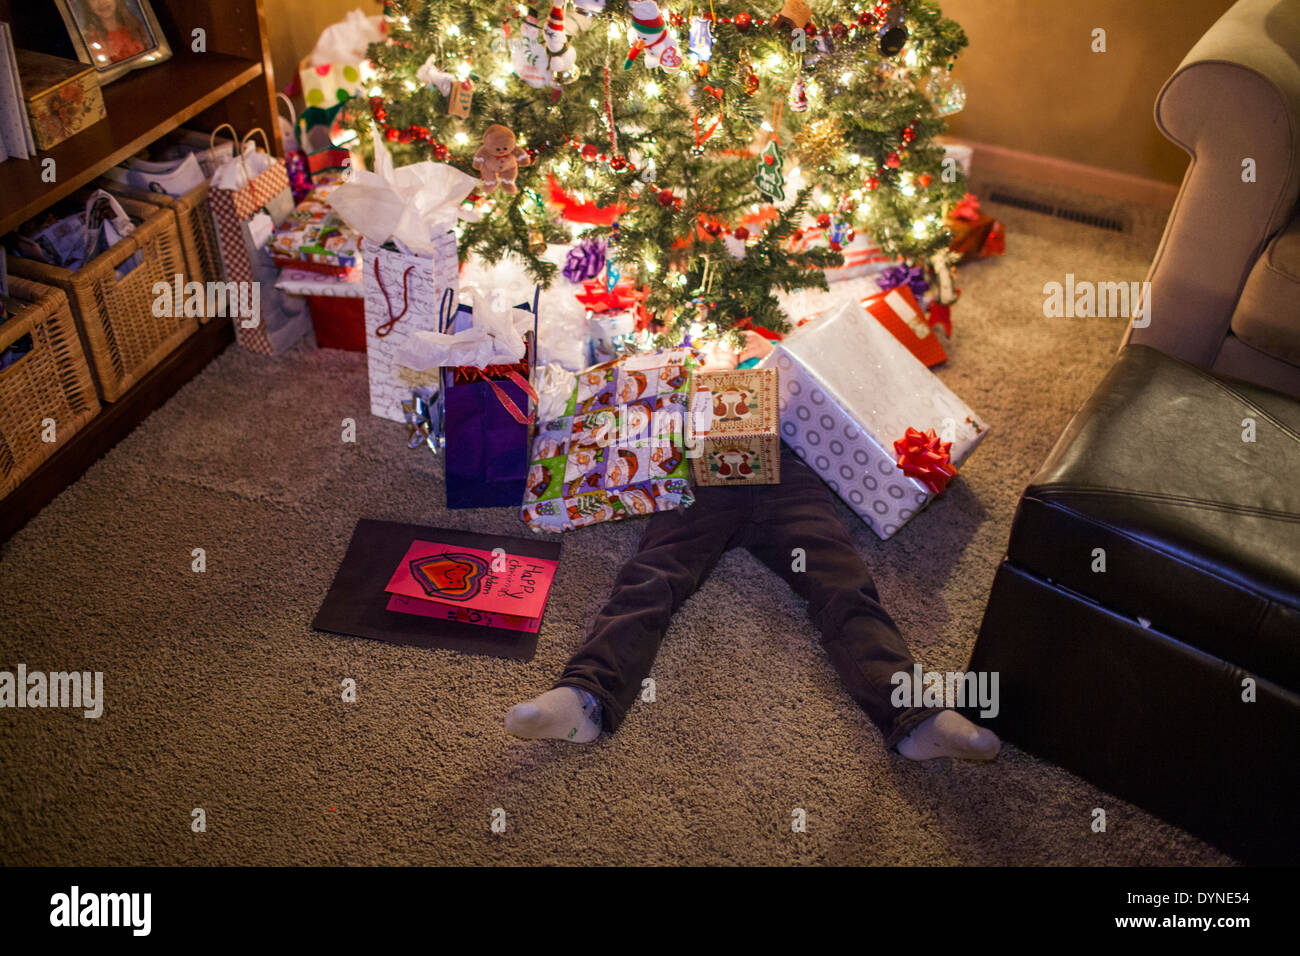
pixel 50 384
pixel 123 337
pixel 194 220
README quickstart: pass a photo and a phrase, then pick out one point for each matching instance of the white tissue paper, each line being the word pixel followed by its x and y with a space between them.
pixel 347 40
pixel 410 204
pixel 495 338
pixel 235 173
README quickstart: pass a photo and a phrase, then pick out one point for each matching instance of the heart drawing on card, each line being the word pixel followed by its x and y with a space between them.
pixel 451 577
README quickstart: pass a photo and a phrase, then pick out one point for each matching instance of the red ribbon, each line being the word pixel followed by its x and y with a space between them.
pixel 968 210
pixel 469 373
pixel 922 456
pixel 598 298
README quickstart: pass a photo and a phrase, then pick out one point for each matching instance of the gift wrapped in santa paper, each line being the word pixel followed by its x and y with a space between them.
pixel 869 417
pixel 618 451
pixel 741 444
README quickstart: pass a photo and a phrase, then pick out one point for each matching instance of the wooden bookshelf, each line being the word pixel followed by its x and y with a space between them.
pixel 230 81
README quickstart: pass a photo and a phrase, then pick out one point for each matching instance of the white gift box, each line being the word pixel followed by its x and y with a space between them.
pixel 848 391
pixel 398 303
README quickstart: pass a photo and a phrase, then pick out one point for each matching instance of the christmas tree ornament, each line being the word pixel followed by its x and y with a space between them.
pixel 649 171
pixel 893 40
pixel 799 95
pixel 499 159
pixel 793 16
pixel 909 134
pixel 561 55
pixel 590 7
pixel 460 98
pixel 745 70
pixel 818 139
pixel 947 94
pixel 528 54
pixel 770 176
pixel 893 31
pixel 893 161
pixel 652 40
pixel 743 21
pixel 701 39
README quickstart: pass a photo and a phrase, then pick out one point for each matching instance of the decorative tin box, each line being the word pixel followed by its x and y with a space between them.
pixel 63 97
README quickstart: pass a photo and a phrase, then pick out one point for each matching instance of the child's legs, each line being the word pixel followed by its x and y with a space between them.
pixel 860 637
pixel 676 554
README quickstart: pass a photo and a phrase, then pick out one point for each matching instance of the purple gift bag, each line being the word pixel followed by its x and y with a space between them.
pixel 487 415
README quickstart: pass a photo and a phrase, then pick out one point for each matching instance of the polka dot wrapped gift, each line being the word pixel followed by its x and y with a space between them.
pixel 848 391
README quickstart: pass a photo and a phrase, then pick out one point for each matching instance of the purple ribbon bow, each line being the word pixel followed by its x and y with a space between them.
pixel 585 260
pixel 913 277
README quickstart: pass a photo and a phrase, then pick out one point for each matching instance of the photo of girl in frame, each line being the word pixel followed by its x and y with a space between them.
pixel 114 36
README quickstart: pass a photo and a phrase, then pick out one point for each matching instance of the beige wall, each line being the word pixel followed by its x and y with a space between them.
pixel 1033 83
pixel 294 26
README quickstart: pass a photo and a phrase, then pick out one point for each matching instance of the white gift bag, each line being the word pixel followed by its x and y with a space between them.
pixel 406 292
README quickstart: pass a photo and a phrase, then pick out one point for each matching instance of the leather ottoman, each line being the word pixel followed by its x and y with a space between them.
pixel 1145 622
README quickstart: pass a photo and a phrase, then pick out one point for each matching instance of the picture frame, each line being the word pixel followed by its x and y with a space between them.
pixel 114 36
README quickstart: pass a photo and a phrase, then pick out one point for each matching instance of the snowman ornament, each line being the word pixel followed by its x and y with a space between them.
pixel 652 39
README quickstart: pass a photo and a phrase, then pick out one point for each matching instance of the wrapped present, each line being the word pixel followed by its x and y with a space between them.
pixel 315 238
pixel 407 219
pixel 871 419
pixel 619 450
pixel 742 444
pixel 975 235
pixel 862 255
pixel 898 311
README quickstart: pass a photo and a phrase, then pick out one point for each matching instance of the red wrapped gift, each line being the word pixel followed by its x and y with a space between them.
pixel 898 311
pixel 975 235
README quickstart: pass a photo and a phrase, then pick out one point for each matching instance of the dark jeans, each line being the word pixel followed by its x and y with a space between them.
pixel 680 548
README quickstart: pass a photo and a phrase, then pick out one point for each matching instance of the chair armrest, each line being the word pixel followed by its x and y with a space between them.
pixel 1235 97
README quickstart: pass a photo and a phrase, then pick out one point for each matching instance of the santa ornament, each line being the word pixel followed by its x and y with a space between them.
pixel 652 40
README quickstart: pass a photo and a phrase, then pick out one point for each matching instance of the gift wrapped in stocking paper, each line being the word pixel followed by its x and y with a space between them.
pixel 870 418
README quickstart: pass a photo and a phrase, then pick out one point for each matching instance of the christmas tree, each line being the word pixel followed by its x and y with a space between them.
pixel 710 133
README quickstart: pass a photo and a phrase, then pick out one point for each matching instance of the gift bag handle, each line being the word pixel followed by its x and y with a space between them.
pixel 293 118
pixel 506 402
pixel 243 160
pixel 406 298
pixel 212 137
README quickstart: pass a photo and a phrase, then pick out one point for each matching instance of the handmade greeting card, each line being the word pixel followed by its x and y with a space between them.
pixel 493 581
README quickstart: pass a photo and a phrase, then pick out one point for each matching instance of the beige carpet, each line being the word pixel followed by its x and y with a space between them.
pixel 220 697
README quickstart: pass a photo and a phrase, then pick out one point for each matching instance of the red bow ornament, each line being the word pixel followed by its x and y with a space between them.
pixel 922 456
pixel 598 298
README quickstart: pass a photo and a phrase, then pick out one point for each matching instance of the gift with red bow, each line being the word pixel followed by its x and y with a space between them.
pixel 975 235
pixel 865 414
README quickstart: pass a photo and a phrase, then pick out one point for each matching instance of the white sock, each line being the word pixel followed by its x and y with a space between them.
pixel 949 734
pixel 562 713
